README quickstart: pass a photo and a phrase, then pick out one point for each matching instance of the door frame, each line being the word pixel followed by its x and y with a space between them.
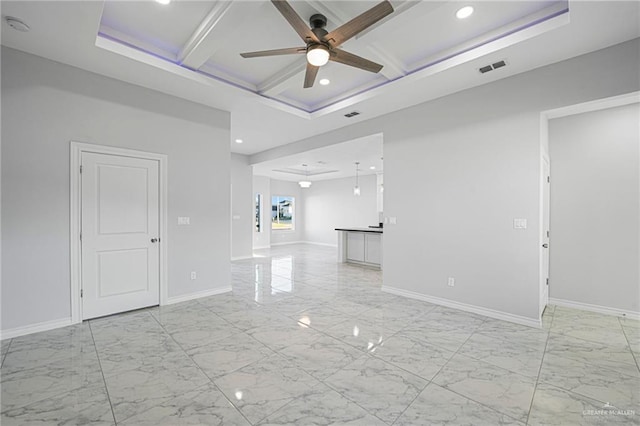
pixel 76 150
pixel 545 116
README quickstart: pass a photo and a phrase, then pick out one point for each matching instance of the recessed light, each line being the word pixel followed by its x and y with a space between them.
pixel 239 141
pixel 464 12
pixel 372 168
pixel 324 81
pixel 165 2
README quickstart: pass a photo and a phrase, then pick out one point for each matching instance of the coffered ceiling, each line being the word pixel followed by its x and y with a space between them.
pixel 191 49
pixel 208 37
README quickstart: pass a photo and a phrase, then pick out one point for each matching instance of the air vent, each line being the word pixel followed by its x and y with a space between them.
pixel 492 67
pixel 352 114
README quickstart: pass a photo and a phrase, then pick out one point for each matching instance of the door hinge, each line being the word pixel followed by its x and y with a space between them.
pixel 548 178
pixel 547 281
pixel 547 234
pixel 80 169
pixel 81 292
pixel 80 235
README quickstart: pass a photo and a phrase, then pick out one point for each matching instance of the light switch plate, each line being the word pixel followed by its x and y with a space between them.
pixel 182 220
pixel 519 223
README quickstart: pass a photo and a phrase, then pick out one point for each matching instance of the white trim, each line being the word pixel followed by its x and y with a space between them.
pixel 464 307
pixel 261 247
pixel 595 308
pixel 241 258
pixel 597 105
pixel 287 243
pixel 34 328
pixel 320 244
pixel 76 150
pixel 197 295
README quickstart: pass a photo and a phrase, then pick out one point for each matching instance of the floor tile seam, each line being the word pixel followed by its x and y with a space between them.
pixel 211 381
pixel 356 402
pixel 593 365
pixel 535 387
pixel 633 354
pixel 504 339
pixel 477 402
pixel 457 352
pixel 573 392
pixel 104 380
pixel 6 353
pixel 508 341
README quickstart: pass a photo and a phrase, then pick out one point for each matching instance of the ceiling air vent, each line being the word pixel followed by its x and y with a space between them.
pixel 352 114
pixel 492 67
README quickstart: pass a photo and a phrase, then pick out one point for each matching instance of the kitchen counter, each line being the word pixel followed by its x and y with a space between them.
pixel 360 245
pixel 376 230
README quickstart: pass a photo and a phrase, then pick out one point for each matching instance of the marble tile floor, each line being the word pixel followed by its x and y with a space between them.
pixel 303 340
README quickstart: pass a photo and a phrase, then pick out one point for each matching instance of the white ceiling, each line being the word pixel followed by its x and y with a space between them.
pixel 330 162
pixel 426 53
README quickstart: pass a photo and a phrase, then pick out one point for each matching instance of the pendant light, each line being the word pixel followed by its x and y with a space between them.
pixel 306 183
pixel 356 189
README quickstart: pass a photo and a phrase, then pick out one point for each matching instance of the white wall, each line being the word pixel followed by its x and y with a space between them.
pixel 45 105
pixel 280 187
pixel 330 204
pixel 595 199
pixel 241 207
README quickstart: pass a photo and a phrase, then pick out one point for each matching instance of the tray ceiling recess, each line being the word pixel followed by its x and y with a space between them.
pixel 419 38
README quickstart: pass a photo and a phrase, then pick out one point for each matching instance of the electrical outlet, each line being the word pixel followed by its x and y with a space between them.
pixel 451 282
pixel 194 275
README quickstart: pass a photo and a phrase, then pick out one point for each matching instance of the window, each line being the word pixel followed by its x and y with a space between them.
pixel 258 212
pixel 282 212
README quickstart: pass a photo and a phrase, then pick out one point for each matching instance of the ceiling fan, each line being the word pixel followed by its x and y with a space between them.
pixel 322 46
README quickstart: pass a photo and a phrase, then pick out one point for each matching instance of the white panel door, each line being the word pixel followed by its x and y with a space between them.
pixel 120 234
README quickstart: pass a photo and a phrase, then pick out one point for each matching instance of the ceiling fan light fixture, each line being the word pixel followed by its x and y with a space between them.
pixel 304 184
pixel 324 82
pixel 464 12
pixel 318 55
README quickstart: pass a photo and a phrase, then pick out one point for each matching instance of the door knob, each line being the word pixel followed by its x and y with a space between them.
pixel 154 240
pixel 545 245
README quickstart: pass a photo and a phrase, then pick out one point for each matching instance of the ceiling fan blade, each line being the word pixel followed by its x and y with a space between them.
pixel 350 59
pixel 358 24
pixel 274 52
pixel 295 21
pixel 310 76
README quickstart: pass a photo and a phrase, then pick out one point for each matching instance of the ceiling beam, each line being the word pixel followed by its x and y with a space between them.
pixel 214 31
pixel 281 80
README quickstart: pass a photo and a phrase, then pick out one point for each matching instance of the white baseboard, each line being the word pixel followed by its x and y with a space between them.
pixel 241 258
pixel 34 328
pixel 595 308
pixel 286 243
pixel 261 247
pixel 320 244
pixel 465 307
pixel 197 295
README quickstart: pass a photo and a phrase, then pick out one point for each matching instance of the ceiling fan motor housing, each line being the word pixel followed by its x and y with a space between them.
pixel 318 21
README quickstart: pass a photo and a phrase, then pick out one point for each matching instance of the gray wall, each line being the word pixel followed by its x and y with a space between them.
pixel 281 187
pixel 595 199
pixel 330 204
pixel 45 105
pixel 241 207
pixel 459 169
